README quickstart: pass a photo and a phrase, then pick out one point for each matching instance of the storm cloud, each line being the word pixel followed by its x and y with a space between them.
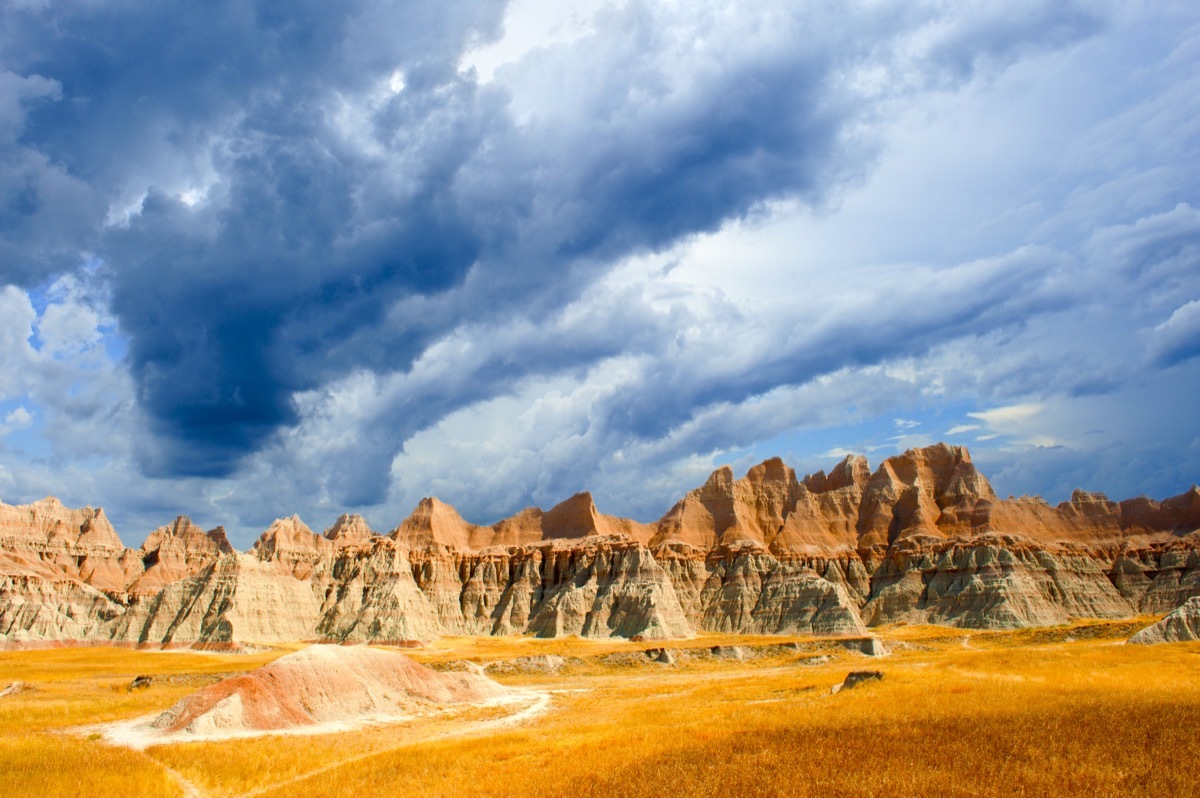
pixel 315 239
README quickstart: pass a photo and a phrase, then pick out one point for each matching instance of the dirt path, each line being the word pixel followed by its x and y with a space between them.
pixel 539 704
pixel 528 704
pixel 190 789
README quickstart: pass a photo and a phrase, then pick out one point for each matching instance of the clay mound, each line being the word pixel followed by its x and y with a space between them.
pixel 16 688
pixel 323 685
pixel 1180 625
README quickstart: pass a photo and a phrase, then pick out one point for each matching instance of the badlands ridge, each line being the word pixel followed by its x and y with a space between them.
pixel 923 539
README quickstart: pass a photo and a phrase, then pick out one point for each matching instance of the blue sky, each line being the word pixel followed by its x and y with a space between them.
pixel 259 258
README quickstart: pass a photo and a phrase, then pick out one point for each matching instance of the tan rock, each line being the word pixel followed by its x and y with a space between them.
pixel 50 607
pixel 1159 577
pixel 236 599
pixel 174 552
pixel 372 596
pixel 1177 513
pixel 769 507
pixel 435 523
pixel 991 582
pixel 604 587
pixel 77 543
pixel 1181 624
pixel 935 492
pixel 922 539
pixel 349 530
pixel 518 530
pixel 323 685
pixel 291 545
pixel 750 591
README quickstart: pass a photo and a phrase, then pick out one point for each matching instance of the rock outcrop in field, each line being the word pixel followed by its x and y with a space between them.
pixel 1181 624
pixel 322 685
pixel 922 539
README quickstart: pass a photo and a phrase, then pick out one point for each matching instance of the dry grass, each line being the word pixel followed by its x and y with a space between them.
pixel 72 687
pixel 958 713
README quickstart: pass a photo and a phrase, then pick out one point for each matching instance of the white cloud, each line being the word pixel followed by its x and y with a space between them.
pixel 20 418
pixel 839 453
pixel 71 324
pixel 959 429
pixel 16 320
pixel 1178 338
pixel 529 25
pixel 1008 418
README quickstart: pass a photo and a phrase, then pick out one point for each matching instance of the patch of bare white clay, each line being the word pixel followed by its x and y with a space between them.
pixel 140 733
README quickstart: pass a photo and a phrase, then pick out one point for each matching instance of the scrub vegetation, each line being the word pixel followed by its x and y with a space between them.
pixel 1064 711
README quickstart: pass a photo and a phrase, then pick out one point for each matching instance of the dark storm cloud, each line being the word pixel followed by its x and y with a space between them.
pixel 346 226
pixel 224 304
pixel 44 212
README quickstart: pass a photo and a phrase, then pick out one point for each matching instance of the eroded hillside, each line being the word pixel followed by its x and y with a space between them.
pixel 921 539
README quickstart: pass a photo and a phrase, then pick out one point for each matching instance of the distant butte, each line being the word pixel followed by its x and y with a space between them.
pixel 921 539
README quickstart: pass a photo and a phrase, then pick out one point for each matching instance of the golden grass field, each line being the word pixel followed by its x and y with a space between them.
pixel 1065 711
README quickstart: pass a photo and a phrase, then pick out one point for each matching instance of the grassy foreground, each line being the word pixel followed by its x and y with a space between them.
pixel 1067 711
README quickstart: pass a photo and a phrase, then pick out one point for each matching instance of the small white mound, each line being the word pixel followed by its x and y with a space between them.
pixel 16 688
pixel 1182 624
pixel 319 689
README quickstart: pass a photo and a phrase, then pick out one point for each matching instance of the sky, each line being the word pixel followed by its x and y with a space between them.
pixel 260 258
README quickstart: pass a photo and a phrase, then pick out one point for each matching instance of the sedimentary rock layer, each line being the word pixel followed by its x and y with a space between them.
pixel 1181 625
pixel 323 685
pixel 922 539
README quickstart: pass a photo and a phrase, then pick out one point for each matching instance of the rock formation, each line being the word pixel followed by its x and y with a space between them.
pixel 80 544
pixel 1181 624
pixel 856 678
pixel 177 551
pixel 322 685
pixel 922 539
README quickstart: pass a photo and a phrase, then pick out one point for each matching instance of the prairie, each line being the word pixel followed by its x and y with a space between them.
pixel 1062 711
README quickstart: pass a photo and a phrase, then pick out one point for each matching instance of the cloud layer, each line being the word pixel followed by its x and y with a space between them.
pixel 286 256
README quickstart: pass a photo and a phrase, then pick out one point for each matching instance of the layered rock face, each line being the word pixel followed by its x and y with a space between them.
pixel 59 542
pixel 922 539
pixel 321 685
pixel 175 552
pixel 1181 624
